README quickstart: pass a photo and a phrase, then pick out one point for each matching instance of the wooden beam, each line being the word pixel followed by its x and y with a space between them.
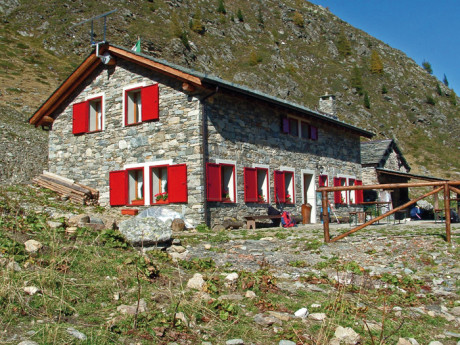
pixel 155 65
pixel 388 186
pixel 376 219
pixel 325 218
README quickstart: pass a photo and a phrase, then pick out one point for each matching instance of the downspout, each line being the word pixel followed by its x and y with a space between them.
pixel 204 134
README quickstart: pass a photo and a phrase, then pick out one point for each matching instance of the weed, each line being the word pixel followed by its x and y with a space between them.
pixel 198 264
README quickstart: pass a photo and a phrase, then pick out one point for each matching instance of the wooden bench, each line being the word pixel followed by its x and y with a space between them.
pixel 251 220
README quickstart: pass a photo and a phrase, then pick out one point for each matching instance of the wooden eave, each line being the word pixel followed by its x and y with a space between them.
pixel 42 115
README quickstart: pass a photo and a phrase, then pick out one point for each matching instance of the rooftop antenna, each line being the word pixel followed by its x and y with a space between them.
pixel 105 58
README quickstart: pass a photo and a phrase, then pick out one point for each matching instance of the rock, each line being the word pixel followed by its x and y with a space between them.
pixel 234 342
pixel 207 246
pixel 131 309
pixel 196 282
pixel 403 341
pixel 315 306
pixel 27 342
pixel 54 224
pixel 451 334
pixel 147 231
pixel 302 313
pixel 413 341
pixel 250 294
pixel 280 316
pixel 286 342
pixel 79 219
pixel 31 290
pixel 373 326
pixel 176 242
pixel 317 316
pixel 455 311
pixel 347 335
pixel 231 297
pixel 178 256
pixel 232 277
pixel 32 246
pixel 178 225
pixel 218 228
pixel 265 321
pixel 181 316
pixel 435 342
pixel 72 331
pixel 176 249
pixel 14 266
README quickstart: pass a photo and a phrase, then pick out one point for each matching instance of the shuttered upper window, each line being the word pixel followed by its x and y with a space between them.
pixel 141 104
pixel 88 116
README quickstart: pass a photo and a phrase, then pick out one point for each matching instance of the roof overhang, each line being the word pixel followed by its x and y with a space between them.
pixel 191 79
pixel 382 171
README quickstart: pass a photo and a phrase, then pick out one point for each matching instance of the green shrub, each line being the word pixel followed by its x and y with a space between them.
pixel 254 58
pixel 343 45
pixel 357 80
pixel 384 90
pixel 427 67
pixel 430 100
pixel 221 7
pixel 367 102
pixel 376 63
pixel 298 19
pixel 197 26
pixel 438 89
pixel 239 15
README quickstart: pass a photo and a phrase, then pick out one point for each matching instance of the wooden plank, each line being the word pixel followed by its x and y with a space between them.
pixel 447 210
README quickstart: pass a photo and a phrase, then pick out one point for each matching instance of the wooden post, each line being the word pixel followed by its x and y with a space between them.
pixel 325 217
pixel 447 210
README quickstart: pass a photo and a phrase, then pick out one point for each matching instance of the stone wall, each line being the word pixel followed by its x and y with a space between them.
pixel 89 158
pixel 249 132
pixel 394 162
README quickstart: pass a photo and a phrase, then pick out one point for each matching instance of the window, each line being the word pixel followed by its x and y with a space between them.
pixel 136 186
pixel 256 185
pixel 296 127
pixel 141 104
pixel 284 186
pixel 168 184
pixel 129 187
pixel 88 116
pixel 220 179
pixel 352 193
pixel 340 197
pixel 323 181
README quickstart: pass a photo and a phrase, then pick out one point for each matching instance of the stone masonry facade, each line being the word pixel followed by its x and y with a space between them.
pixel 240 129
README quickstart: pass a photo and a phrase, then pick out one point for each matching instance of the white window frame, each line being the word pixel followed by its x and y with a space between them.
pixel 345 193
pixel 91 97
pixel 235 177
pixel 267 183
pixel 124 105
pixel 293 192
pixel 146 168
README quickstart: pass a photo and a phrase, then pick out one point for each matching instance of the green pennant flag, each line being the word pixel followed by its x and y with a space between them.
pixel 137 46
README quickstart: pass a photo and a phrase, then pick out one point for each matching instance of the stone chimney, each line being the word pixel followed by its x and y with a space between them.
pixel 327 104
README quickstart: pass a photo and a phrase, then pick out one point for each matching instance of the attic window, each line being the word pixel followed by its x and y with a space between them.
pixel 297 127
pixel 141 104
pixel 88 116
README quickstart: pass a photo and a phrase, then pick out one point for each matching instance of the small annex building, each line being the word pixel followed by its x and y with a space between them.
pixel 145 132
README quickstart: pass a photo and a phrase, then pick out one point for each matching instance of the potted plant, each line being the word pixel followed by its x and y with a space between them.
pixel 137 201
pixel 288 198
pixel 261 198
pixel 161 198
pixel 225 195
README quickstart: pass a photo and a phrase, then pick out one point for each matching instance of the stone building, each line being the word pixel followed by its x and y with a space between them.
pixel 145 132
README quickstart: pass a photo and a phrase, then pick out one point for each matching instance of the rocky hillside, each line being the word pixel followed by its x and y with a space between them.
pixel 291 49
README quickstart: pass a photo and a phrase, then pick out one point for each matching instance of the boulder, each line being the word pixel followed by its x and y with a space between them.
pixel 178 225
pixel 146 231
pixel 79 219
pixel 32 246
pixel 347 335
pixel 196 282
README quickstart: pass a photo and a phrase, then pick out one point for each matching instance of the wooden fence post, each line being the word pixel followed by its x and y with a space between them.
pixel 447 210
pixel 327 238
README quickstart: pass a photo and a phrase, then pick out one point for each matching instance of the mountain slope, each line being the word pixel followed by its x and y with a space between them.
pixel 291 49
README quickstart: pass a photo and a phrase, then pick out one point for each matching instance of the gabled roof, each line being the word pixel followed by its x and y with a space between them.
pixel 376 152
pixel 43 114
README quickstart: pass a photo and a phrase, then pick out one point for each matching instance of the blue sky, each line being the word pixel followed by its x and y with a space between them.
pixel 425 30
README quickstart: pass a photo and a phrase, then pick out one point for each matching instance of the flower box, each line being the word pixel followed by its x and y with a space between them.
pixel 137 202
pixel 129 211
pixel 161 201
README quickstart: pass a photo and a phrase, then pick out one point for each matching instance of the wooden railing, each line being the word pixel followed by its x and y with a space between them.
pixel 447 187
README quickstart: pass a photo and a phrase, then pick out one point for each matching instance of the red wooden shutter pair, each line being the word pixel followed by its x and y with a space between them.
pixel 150 103
pixel 250 185
pixel 80 118
pixel 177 185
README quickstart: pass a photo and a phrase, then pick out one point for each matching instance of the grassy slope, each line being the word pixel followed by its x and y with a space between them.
pixel 85 276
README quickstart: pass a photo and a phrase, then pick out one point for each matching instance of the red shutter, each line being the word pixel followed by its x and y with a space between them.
pixel 280 195
pixel 118 187
pixel 359 193
pixel 150 103
pixel 313 133
pixel 285 125
pixel 213 178
pixel 177 183
pixel 323 180
pixel 250 185
pixel 80 118
pixel 337 195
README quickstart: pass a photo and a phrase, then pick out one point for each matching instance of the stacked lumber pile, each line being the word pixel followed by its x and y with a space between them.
pixel 67 188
